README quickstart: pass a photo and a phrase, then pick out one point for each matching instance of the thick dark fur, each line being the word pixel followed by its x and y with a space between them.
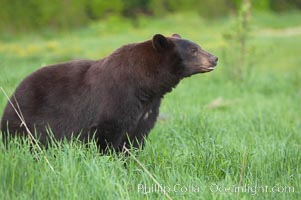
pixel 116 98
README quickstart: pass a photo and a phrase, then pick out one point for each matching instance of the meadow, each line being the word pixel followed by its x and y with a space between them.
pixel 217 137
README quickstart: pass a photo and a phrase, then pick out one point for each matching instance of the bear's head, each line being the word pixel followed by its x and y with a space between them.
pixel 185 57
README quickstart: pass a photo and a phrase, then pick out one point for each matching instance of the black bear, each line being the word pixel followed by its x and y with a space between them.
pixel 116 98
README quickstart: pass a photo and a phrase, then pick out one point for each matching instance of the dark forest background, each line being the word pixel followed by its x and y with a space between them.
pixel 21 15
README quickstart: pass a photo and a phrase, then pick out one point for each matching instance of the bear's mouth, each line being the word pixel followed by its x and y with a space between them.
pixel 196 69
pixel 207 69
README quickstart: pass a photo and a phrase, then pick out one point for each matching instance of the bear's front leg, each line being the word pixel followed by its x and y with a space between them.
pixel 136 136
pixel 108 134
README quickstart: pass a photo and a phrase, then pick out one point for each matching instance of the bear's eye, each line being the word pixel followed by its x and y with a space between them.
pixel 194 51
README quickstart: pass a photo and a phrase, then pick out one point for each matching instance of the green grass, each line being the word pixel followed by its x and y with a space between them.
pixel 252 138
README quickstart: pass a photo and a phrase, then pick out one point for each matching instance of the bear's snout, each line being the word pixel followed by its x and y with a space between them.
pixel 213 60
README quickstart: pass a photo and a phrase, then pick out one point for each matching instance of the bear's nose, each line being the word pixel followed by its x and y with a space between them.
pixel 213 60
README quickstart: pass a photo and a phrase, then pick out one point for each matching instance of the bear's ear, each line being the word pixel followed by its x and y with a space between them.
pixel 176 36
pixel 160 42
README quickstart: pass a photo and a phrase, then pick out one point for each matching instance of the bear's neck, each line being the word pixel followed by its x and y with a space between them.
pixel 146 93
